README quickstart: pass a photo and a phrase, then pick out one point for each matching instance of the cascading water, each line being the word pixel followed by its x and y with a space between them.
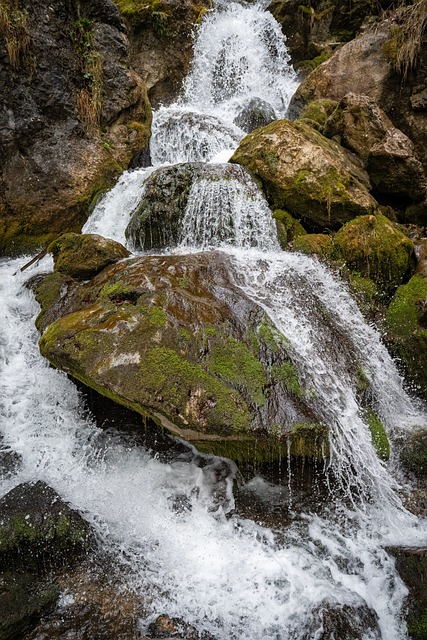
pixel 227 575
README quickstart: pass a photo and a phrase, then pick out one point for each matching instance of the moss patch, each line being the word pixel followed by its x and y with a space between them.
pixel 287 227
pixel 375 248
pixel 314 243
pixel 379 436
pixel 407 333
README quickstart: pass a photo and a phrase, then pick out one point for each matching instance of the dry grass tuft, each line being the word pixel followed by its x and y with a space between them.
pixel 15 31
pixel 413 22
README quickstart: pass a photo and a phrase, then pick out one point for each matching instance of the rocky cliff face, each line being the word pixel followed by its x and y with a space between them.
pixel 72 114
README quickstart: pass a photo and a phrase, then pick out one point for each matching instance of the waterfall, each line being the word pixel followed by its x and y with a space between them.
pixel 227 575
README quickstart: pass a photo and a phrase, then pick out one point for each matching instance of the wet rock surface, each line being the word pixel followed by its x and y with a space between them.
pixel 38 529
pixel 23 600
pixel 157 222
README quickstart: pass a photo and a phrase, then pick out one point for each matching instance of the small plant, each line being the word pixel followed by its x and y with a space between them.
pixel 89 96
pixel 15 31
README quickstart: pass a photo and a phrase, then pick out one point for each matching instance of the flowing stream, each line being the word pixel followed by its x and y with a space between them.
pixel 227 575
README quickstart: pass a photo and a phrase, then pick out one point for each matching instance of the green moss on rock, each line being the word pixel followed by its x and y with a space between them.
pixel 319 110
pixel 287 227
pixel 407 333
pixel 82 256
pixel 413 452
pixel 314 243
pixel 304 173
pixel 375 248
pixel 379 436
pixel 37 528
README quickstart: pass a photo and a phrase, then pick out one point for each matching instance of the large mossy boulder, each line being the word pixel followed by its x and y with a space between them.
pixel 407 330
pixel 173 338
pixel 375 248
pixel 311 177
pixel 38 529
pixel 82 256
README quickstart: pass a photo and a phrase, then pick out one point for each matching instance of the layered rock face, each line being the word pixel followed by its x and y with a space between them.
pixel 72 114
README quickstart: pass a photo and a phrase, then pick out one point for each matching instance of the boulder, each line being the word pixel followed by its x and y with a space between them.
pixel 361 66
pixel 406 322
pixel 158 221
pixel 394 168
pixel 173 338
pixel 387 154
pixel 304 173
pixel 38 529
pixel 253 114
pixel 374 247
pixel 358 122
pixel 82 256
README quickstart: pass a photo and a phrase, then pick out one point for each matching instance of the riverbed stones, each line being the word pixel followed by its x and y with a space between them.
pixel 82 256
pixel 311 177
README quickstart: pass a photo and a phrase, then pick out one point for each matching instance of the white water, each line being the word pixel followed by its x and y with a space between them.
pixel 229 576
